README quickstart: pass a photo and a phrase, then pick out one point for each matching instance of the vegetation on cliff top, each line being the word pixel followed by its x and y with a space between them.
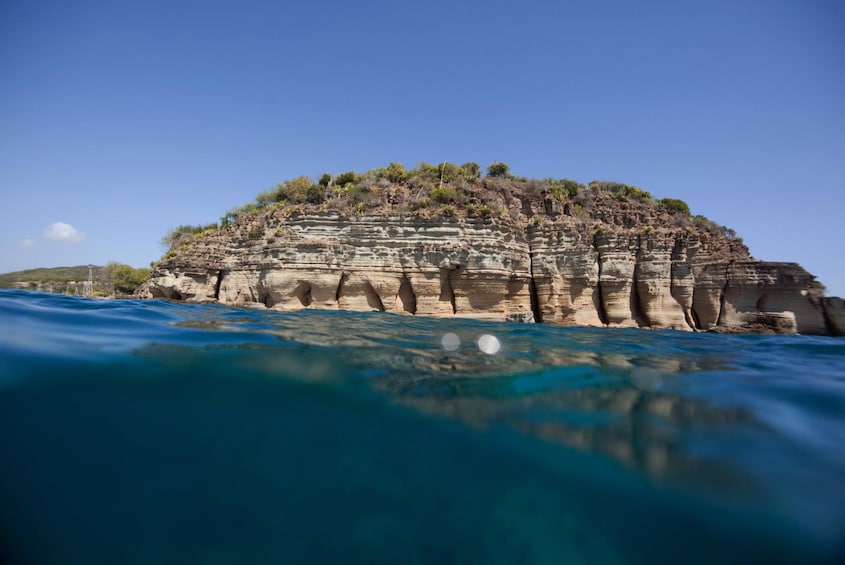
pixel 448 190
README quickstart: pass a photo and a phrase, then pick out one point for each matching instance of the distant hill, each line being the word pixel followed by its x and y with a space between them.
pixel 73 280
pixel 58 276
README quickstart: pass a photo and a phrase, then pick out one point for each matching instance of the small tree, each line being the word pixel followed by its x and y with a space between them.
pixel 266 198
pixel 315 194
pixel 235 214
pixel 125 279
pixel 325 180
pixel 296 189
pixel 396 172
pixel 570 187
pixel 498 169
pixel 349 177
pixel 674 205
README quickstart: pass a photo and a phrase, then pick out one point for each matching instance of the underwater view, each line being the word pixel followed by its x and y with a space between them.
pixel 158 432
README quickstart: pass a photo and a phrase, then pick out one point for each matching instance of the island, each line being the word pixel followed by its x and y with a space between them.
pixel 446 240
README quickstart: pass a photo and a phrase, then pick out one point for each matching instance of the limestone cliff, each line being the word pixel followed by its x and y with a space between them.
pixel 536 258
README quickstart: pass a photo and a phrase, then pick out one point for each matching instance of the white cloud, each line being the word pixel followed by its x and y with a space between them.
pixel 61 231
pixel 27 243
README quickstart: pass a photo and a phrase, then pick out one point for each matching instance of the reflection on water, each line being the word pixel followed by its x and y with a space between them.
pixel 685 409
pixel 625 394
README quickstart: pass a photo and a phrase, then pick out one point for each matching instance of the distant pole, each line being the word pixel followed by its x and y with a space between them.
pixel 89 287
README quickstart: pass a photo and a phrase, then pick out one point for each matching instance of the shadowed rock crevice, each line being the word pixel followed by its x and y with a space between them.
pixel 265 297
pixel 637 311
pixel 303 293
pixel 373 299
pixel 723 297
pixel 535 302
pixel 532 286
pixel 338 293
pixel 704 311
pixel 267 300
pixel 220 275
pixel 696 321
pixel 447 291
pixel 406 297
pixel 598 300
pixel 598 295
pixel 636 306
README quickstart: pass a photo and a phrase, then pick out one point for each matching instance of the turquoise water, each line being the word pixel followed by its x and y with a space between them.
pixel 154 432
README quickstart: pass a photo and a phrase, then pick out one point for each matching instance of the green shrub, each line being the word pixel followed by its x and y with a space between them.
pixel 360 194
pixel 570 187
pixel 325 180
pixel 674 205
pixel 177 236
pixel 315 194
pixel 483 211
pixel 266 198
pixel 730 233
pixel 425 171
pixel 498 169
pixel 444 195
pixel 471 171
pixel 620 191
pixel 236 214
pixel 125 279
pixel 707 224
pixel 293 190
pixel 563 188
pixel 448 211
pixel 396 172
pixel 349 177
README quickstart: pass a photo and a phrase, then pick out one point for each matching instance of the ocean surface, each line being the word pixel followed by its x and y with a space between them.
pixel 155 432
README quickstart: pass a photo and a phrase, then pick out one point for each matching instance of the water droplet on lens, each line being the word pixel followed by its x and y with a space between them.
pixel 489 344
pixel 450 341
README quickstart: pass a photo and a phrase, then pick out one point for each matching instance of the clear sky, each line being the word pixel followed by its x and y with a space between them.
pixel 121 120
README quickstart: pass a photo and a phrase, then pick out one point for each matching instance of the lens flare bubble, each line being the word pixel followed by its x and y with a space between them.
pixel 450 341
pixel 489 344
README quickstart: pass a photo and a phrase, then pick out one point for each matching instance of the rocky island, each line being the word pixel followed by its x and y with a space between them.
pixel 445 240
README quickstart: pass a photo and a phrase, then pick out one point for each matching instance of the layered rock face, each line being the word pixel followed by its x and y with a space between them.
pixel 559 270
pixel 390 264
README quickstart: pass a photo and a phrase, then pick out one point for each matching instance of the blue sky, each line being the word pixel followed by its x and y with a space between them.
pixel 122 120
